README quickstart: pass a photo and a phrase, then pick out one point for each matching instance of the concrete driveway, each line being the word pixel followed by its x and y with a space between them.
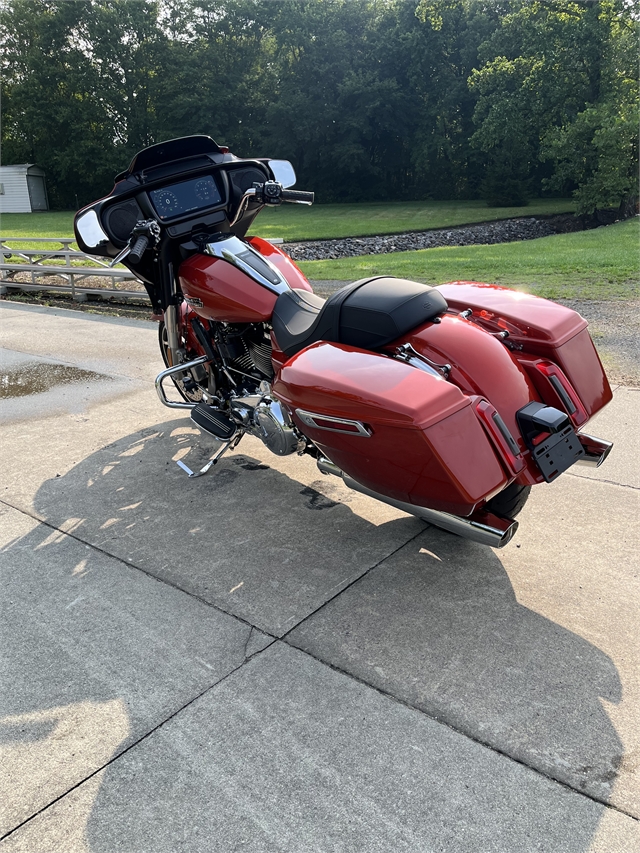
pixel 261 660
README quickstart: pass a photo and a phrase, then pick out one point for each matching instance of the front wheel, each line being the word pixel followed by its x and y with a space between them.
pixel 189 385
pixel 509 502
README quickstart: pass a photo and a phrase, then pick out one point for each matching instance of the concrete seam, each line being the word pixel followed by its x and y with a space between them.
pixel 193 595
pixel 135 743
pixel 461 732
pixel 352 583
pixel 602 480
pixel 285 638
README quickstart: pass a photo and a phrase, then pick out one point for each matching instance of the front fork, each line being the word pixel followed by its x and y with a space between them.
pixel 175 353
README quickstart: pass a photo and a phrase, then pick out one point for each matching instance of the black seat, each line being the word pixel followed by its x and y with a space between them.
pixel 369 313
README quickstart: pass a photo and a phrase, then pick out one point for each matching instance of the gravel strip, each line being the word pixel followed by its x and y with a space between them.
pixel 506 231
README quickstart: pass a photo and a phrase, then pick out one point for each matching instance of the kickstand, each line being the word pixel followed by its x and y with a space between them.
pixel 231 444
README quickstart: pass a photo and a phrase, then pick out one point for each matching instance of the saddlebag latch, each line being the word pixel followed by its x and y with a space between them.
pixel 551 438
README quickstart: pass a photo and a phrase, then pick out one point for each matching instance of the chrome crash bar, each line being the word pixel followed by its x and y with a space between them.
pixel 179 368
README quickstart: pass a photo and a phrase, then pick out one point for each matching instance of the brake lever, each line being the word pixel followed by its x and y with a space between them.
pixel 123 254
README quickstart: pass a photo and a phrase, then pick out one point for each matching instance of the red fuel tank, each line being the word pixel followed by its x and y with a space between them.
pixel 282 262
pixel 218 290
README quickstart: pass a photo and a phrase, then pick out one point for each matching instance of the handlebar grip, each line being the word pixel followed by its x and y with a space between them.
pixel 138 249
pixel 298 195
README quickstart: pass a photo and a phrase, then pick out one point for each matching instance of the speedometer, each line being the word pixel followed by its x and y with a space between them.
pixel 206 190
pixel 178 200
pixel 166 203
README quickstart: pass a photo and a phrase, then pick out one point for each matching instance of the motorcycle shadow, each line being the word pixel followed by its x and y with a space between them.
pixel 266 538
pixel 436 625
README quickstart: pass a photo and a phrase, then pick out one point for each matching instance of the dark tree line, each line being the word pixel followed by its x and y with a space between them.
pixel 370 99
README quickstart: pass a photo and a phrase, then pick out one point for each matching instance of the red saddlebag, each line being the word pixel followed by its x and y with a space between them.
pixel 550 341
pixel 392 427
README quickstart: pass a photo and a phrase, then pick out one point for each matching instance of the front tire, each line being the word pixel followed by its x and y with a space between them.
pixel 509 502
pixel 192 395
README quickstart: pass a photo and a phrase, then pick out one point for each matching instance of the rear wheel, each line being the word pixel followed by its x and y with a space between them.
pixel 189 385
pixel 510 501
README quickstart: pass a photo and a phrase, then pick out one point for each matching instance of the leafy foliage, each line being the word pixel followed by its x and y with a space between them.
pixel 371 99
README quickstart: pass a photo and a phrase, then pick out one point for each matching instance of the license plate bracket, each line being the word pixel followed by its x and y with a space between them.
pixel 557 453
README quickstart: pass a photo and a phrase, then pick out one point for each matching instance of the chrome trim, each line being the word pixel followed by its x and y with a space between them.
pixel 326 466
pixel 274 428
pixel 481 526
pixel 242 207
pixel 406 353
pixel 120 256
pixel 179 368
pixel 308 419
pixel 171 325
pixel 596 450
pixel 230 247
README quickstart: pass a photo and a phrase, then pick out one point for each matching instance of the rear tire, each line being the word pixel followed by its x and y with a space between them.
pixel 510 501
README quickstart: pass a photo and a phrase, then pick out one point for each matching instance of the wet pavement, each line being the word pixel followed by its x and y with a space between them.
pixel 36 377
pixel 260 659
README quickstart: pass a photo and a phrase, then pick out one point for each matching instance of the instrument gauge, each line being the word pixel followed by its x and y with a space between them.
pixel 205 190
pixel 166 202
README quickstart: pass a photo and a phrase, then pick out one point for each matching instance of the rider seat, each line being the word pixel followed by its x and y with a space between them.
pixel 369 313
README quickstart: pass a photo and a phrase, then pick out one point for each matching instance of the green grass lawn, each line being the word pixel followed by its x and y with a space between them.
pixel 49 224
pixel 600 264
pixel 323 221
pixel 299 222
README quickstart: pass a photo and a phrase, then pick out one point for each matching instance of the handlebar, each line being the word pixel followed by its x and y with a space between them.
pixel 144 231
pixel 138 249
pixel 298 196
pixel 270 193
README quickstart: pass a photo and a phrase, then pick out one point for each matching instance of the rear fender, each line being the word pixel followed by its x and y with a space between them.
pixel 481 365
pixel 544 330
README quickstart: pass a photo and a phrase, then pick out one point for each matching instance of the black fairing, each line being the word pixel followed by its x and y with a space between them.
pixel 171 150
pixel 158 166
pixel 369 314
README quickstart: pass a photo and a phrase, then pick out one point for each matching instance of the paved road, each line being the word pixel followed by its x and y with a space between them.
pixel 261 660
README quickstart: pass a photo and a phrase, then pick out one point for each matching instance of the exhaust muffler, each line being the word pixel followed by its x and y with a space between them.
pixel 596 450
pixel 480 526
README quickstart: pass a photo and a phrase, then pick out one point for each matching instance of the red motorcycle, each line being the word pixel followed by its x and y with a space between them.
pixel 449 403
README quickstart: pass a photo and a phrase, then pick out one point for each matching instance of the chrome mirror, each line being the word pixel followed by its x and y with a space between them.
pixel 283 172
pixel 90 230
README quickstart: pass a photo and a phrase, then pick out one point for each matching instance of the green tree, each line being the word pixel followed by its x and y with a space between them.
pixel 442 52
pixel 552 91
pixel 597 151
pixel 78 89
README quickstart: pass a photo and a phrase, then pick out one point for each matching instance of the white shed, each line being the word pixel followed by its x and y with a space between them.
pixel 22 189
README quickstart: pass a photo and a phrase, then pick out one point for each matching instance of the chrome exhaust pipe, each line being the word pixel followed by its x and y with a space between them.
pixel 596 450
pixel 480 526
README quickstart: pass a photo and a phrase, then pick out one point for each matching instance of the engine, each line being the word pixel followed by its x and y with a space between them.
pixel 246 349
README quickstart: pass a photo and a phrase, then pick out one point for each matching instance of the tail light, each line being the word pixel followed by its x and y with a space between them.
pixel 500 436
pixel 564 391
